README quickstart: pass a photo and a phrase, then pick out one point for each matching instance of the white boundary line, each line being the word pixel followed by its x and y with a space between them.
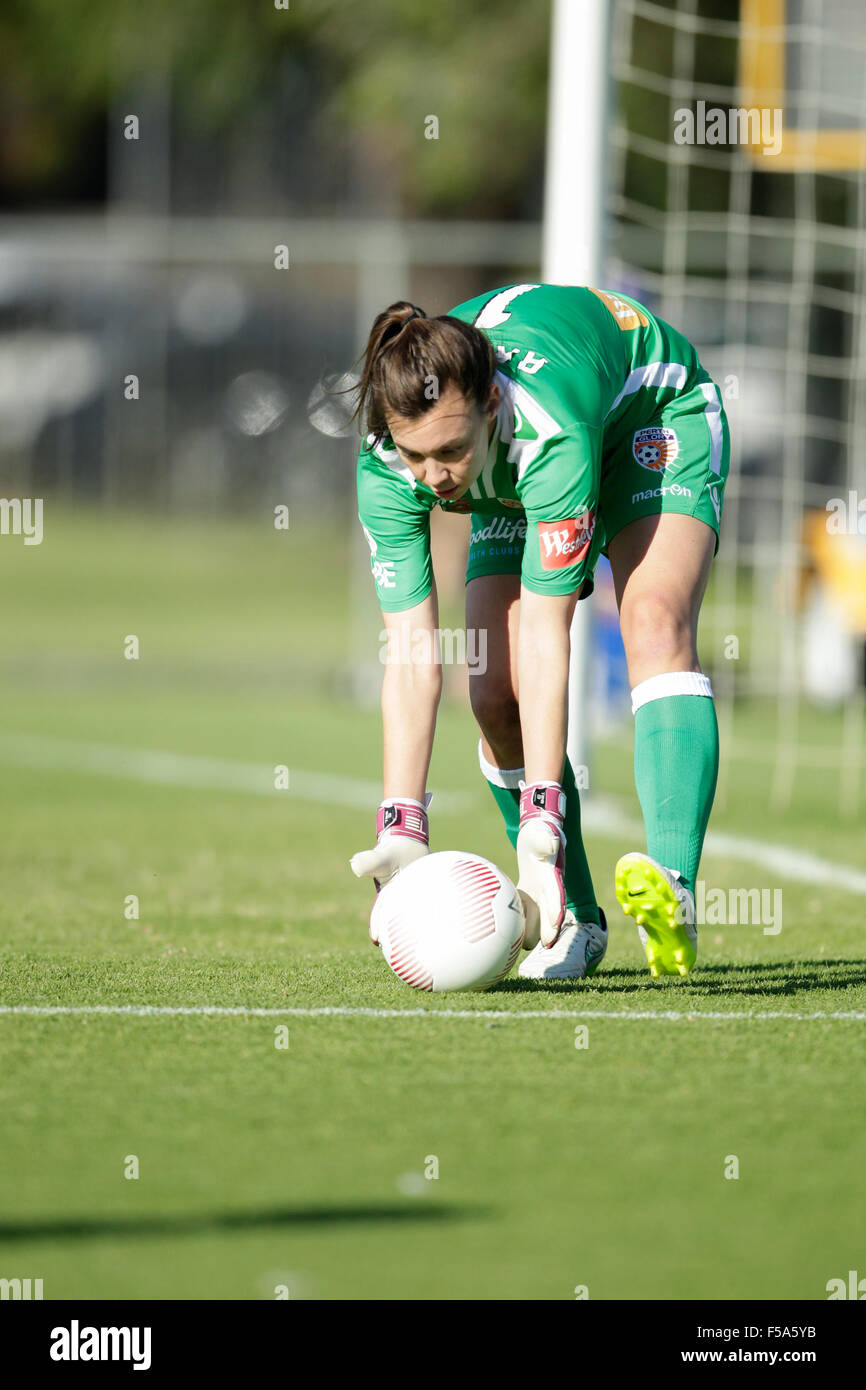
pixel 194 770
pixel 601 815
pixel 504 1015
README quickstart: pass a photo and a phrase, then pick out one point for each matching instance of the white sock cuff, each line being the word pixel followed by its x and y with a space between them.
pixel 671 683
pixel 408 801
pixel 508 777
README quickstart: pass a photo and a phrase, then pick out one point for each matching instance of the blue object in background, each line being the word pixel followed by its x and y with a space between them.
pixel 611 693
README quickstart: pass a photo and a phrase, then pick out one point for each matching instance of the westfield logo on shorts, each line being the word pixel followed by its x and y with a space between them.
pixel 563 543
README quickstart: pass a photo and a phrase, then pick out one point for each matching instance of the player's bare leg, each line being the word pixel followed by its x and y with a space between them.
pixel 660 566
pixel 493 607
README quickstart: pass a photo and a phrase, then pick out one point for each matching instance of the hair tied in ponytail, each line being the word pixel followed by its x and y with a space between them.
pixel 397 366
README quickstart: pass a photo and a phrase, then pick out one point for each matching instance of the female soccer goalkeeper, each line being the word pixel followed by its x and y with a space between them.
pixel 568 421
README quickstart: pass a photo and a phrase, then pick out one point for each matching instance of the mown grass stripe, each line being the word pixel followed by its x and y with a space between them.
pixel 347 1011
pixel 602 815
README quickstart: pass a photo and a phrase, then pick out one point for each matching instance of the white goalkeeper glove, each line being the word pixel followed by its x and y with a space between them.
pixel 541 861
pixel 402 836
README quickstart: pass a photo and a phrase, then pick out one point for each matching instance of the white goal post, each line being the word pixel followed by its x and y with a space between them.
pixel 572 236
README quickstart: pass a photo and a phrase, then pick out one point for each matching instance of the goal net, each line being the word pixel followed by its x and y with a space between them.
pixel 736 200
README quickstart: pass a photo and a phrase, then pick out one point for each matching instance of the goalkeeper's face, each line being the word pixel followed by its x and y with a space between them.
pixel 446 447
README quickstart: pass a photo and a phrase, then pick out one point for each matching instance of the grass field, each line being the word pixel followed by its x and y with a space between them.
pixel 304 1166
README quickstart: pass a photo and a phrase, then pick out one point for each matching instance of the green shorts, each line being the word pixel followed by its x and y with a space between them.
pixel 677 462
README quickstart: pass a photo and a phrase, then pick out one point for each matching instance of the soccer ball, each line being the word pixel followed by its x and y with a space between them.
pixel 449 921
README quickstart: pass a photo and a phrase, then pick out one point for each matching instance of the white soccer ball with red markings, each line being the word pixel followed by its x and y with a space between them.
pixel 449 921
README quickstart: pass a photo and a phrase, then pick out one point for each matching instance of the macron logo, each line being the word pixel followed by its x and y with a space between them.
pixel 563 543
pixel 75 1343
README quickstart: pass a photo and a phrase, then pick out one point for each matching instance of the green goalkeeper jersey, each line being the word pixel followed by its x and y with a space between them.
pixel 589 381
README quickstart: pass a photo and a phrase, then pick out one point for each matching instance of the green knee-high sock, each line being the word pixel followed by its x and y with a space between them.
pixel 676 763
pixel 579 892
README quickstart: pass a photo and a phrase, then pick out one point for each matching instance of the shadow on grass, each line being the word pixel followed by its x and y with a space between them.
pixel 778 977
pixel 84 1227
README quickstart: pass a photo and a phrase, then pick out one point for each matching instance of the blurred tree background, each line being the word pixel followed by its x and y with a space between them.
pixel 273 108
pixel 317 115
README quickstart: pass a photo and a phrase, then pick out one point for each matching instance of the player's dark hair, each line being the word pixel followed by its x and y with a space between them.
pixel 410 360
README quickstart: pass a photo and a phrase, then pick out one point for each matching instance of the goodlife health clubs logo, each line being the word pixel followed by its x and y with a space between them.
pixel 563 543
pixel 500 529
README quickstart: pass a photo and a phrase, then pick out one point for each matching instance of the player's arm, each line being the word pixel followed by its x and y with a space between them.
pixel 398 532
pixel 543 649
pixel 560 495
pixel 411 688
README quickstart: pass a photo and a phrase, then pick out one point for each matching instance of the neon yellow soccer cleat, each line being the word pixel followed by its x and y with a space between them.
pixel 663 910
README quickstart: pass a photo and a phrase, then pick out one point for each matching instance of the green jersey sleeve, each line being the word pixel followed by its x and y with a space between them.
pixel 396 523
